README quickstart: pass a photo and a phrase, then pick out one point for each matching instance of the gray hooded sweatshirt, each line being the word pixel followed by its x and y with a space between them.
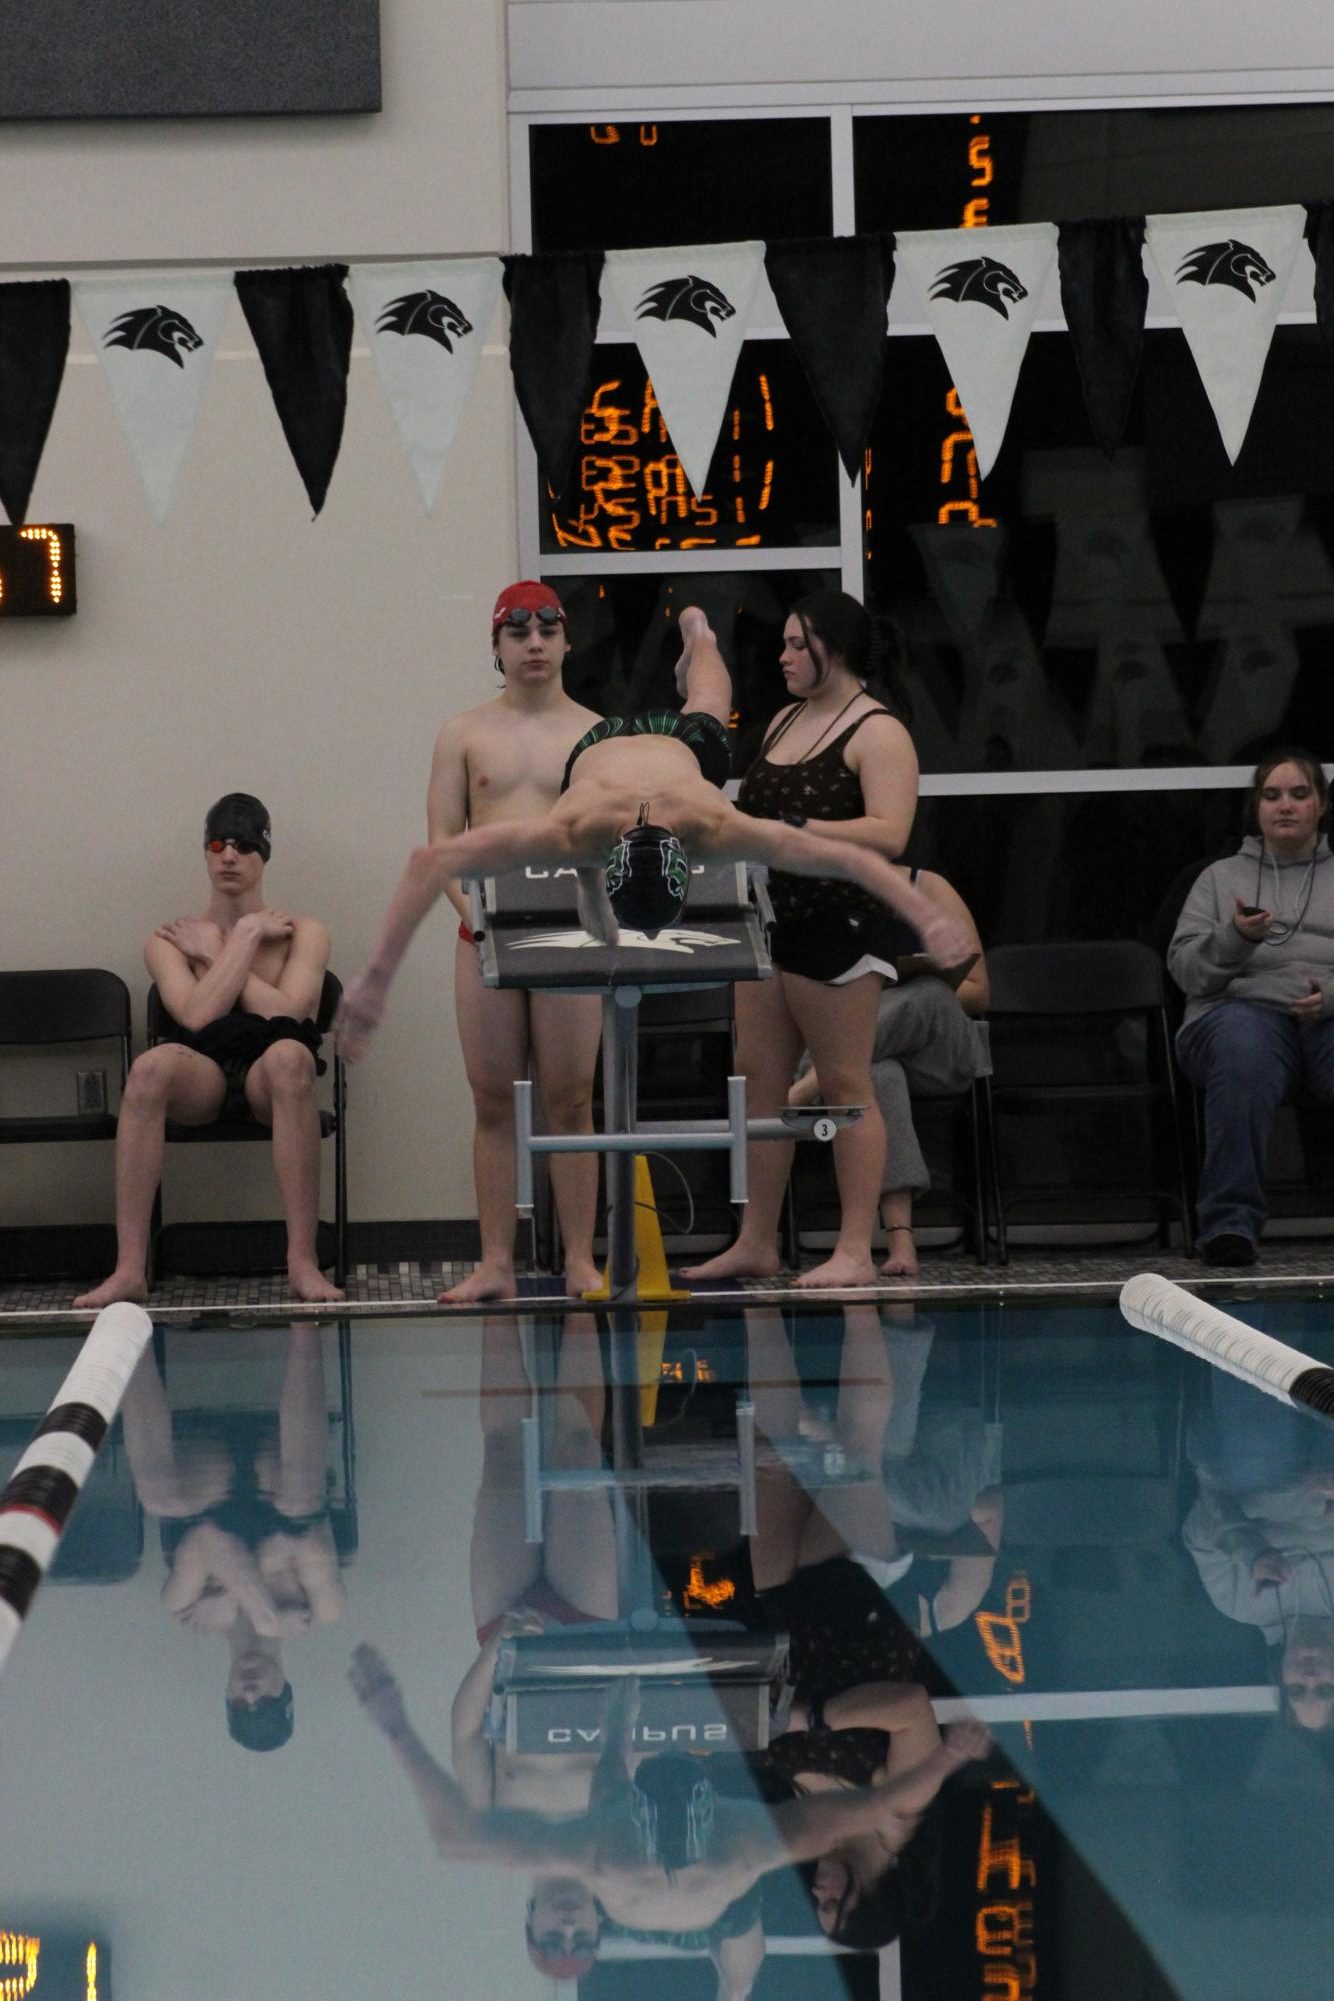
pixel 1211 961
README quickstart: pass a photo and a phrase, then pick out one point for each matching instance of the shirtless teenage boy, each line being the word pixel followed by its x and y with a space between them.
pixel 244 982
pixel 504 761
pixel 641 798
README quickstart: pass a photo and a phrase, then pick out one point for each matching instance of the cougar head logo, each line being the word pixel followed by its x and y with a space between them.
pixel 693 299
pixel 429 313
pixel 984 279
pixel 157 329
pixel 1231 263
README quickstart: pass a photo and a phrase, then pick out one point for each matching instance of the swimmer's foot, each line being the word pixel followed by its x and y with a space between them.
pixel 581 1276
pixel 843 1268
pixel 121 1285
pixel 488 1281
pixel 309 1283
pixel 902 1259
pixel 741 1261
pixel 691 625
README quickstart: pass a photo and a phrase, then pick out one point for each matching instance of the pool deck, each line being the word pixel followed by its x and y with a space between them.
pixel 410 1289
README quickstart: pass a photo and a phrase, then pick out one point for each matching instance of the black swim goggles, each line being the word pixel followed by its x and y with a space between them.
pixel 219 842
pixel 548 616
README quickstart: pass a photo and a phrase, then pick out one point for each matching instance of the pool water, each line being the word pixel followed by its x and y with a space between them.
pixel 1108 1551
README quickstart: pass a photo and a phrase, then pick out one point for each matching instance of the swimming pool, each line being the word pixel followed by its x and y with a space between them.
pixel 1073 1502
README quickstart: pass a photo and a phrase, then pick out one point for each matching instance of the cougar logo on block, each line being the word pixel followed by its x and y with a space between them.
pixel 429 313
pixel 1232 263
pixel 983 279
pixel 154 330
pixel 674 939
pixel 693 299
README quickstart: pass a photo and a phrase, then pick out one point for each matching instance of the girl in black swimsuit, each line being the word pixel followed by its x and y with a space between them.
pixel 834 754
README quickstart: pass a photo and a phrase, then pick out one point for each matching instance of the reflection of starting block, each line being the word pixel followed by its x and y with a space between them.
pixel 703 1688
pixel 529 935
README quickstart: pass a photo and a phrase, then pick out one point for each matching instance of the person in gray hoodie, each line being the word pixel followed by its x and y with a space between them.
pixel 1253 951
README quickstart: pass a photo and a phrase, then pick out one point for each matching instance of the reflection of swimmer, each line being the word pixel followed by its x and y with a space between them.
pixel 646 793
pixel 247 1538
pixel 569 1578
pixel 659 1851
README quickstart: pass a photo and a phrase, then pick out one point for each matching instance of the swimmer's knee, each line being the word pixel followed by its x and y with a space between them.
pixel 153 1076
pixel 287 1066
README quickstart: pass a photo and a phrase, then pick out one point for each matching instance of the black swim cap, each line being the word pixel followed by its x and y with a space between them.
pixel 239 815
pixel 264 1725
pixel 647 879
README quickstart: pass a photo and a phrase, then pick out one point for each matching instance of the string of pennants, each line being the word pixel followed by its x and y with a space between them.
pixel 689 306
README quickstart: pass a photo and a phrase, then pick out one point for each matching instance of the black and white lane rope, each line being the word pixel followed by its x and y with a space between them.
pixel 1156 1306
pixel 39 1497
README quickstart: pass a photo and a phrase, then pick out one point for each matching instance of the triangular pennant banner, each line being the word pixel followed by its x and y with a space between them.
pixel 34 341
pixel 981 291
pixel 425 324
pixel 1104 293
pixel 833 293
pixel 155 335
pixel 301 321
pixel 689 307
pixel 1227 274
pixel 555 301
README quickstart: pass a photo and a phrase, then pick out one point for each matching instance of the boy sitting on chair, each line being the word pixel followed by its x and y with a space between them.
pixel 243 983
pixel 641 797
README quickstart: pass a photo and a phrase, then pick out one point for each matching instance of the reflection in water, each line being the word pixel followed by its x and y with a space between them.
pixel 1261 1532
pixel 245 1528
pixel 670 1848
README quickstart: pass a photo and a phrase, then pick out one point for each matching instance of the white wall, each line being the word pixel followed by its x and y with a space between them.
pixel 245 646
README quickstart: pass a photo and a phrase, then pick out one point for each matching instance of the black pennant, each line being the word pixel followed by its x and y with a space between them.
pixel 34 340
pixel 833 293
pixel 301 321
pixel 1105 295
pixel 555 301
pixel 1319 234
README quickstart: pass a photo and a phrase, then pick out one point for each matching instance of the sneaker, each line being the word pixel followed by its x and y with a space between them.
pixel 1230 1248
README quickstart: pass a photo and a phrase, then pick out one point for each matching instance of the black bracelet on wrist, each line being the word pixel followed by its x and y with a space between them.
pixel 793 819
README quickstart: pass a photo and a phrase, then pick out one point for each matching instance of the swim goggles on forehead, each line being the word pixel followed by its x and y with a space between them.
pixel 673 868
pixel 519 620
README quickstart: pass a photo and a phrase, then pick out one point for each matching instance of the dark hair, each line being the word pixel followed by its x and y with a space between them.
pixel 870 648
pixel 1269 763
pixel 265 1725
pixel 902 1898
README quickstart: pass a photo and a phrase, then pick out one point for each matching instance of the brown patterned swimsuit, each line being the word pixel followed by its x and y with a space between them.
pixel 825 930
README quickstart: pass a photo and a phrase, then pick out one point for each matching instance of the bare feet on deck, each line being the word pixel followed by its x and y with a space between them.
pixel 121 1285
pixel 902 1259
pixel 840 1269
pixel 309 1283
pixel 487 1281
pixel 691 625
pixel 738 1262
pixel 581 1276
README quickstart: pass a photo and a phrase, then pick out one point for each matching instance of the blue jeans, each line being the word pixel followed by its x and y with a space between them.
pixel 1248 1060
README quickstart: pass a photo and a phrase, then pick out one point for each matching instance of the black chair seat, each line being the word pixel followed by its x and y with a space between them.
pixel 162 1028
pixel 237 1129
pixel 36 1131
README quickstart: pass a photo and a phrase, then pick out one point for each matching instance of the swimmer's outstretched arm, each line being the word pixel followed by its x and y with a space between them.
pixel 510 1838
pixel 799 851
pixel 480 851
